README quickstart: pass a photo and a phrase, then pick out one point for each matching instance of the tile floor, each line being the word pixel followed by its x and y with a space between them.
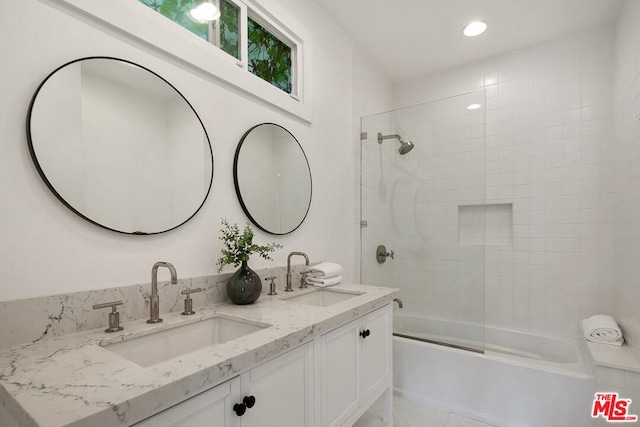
pixel 410 414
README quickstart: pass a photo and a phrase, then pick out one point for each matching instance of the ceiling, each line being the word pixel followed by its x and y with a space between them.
pixel 409 38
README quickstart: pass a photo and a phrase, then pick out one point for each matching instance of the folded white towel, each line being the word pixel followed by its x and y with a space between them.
pixel 602 329
pixel 325 270
pixel 324 282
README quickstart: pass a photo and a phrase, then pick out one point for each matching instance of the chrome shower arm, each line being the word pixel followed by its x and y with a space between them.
pixel 382 137
pixel 405 146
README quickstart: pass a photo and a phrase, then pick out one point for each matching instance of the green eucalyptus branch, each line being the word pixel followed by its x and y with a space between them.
pixel 239 246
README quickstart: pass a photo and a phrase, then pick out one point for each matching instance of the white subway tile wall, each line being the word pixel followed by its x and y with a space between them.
pixel 549 140
pixel 411 205
pixel 627 166
pixel 563 147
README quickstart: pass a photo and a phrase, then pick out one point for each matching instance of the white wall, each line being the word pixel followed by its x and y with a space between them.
pixel 548 151
pixel 627 165
pixel 45 249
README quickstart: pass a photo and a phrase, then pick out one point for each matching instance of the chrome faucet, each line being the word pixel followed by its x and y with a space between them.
pixel 154 299
pixel 288 288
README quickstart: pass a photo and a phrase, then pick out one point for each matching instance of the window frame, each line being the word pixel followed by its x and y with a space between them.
pixel 242 7
pixel 286 38
pixel 143 23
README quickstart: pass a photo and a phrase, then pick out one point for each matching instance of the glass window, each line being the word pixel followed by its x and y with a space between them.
pixel 269 57
pixel 225 32
pixel 178 12
pixel 229 36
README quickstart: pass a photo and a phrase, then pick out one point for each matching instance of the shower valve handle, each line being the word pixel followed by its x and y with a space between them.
pixel 382 254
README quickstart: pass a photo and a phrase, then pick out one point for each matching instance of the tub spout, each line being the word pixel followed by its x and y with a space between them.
pixel 399 301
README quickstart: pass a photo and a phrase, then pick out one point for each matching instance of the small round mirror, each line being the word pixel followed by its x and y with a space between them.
pixel 272 178
pixel 120 146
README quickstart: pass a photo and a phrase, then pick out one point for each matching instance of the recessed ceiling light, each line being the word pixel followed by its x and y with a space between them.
pixel 475 29
pixel 205 12
pixel 474 106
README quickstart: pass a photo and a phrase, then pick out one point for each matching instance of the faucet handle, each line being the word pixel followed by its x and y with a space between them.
pixel 272 285
pixel 188 302
pixel 303 280
pixel 114 316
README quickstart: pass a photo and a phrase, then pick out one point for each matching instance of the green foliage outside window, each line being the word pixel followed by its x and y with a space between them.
pixel 229 34
pixel 269 58
pixel 178 12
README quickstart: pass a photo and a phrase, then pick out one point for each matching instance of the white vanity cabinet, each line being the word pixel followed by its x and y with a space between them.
pixel 210 408
pixel 328 382
pixel 318 360
pixel 280 393
pixel 283 389
pixel 356 366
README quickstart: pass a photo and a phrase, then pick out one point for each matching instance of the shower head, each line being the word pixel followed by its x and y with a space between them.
pixel 405 146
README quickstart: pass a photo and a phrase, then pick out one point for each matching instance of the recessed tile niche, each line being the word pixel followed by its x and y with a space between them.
pixel 490 225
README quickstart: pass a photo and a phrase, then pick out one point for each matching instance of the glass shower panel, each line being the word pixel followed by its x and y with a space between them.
pixel 426 203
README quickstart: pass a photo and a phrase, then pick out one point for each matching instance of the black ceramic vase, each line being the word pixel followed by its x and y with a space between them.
pixel 245 286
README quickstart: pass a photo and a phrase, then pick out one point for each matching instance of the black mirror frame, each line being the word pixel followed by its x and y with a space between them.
pixel 53 190
pixel 237 185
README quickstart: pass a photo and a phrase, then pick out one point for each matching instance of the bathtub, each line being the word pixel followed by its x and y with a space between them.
pixel 521 379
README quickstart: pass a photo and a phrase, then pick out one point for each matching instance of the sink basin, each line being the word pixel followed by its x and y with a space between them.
pixel 322 297
pixel 161 346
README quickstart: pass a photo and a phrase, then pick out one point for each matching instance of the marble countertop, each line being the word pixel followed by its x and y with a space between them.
pixel 73 380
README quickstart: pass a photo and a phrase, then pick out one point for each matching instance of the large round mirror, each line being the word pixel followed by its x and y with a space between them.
pixel 120 146
pixel 272 178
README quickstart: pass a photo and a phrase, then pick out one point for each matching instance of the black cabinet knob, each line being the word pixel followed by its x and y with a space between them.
pixel 365 333
pixel 249 401
pixel 239 409
pixel 368 332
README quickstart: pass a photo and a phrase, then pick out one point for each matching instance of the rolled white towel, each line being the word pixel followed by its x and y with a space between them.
pixel 322 282
pixel 325 270
pixel 602 329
